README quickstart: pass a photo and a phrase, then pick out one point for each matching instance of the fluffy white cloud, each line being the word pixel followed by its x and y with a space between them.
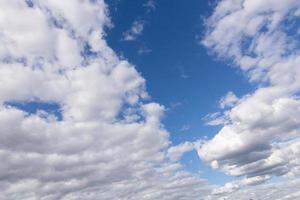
pixel 109 144
pixel 261 130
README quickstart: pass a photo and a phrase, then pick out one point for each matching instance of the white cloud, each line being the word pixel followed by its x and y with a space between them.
pixel 285 189
pixel 261 129
pixel 135 31
pixel 234 186
pixel 175 152
pixel 138 25
pixel 228 101
pixel 214 119
pixel 109 144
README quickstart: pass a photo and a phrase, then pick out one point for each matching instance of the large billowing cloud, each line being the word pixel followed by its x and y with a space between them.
pixel 103 141
pixel 260 136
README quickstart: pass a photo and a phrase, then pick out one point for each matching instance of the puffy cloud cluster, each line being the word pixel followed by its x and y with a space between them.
pixel 108 143
pixel 260 136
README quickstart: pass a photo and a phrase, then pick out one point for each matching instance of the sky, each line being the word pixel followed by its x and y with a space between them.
pixel 149 99
pixel 176 67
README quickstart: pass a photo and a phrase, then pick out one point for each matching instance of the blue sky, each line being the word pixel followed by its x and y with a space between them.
pixel 180 74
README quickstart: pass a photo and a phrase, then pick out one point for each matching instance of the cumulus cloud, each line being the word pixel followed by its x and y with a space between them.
pixel 260 134
pixel 108 143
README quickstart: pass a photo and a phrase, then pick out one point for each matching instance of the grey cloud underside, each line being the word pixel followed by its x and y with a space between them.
pixel 108 144
pixel 260 134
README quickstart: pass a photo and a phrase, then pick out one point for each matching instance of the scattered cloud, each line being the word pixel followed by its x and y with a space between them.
pixel 150 5
pixel 144 50
pixel 183 73
pixel 234 186
pixel 108 143
pixel 185 128
pixel 175 105
pixel 285 189
pixel 138 26
pixel 215 119
pixel 261 137
pixel 175 152
pixel 135 31
pixel 229 100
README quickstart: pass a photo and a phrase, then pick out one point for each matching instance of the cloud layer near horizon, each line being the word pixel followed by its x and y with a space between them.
pixel 109 144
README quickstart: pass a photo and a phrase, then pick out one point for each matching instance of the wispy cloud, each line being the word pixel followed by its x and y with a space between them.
pixel 215 119
pixel 138 25
pixel 175 152
pixel 183 73
pixel 229 100
pixel 150 5
pixel 185 128
pixel 144 50
pixel 135 31
pixel 174 105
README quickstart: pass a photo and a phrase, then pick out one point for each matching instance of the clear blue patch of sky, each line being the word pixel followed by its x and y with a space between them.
pixel 179 72
pixel 32 107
